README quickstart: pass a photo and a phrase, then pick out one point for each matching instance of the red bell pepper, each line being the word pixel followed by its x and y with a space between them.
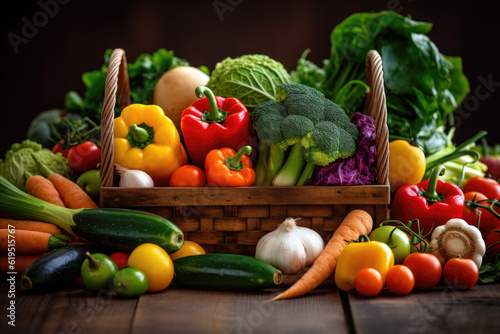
pixel 433 202
pixel 214 122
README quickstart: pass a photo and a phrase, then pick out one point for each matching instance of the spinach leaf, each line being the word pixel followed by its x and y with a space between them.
pixel 423 87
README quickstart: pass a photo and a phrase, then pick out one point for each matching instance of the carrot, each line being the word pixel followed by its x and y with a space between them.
pixel 72 195
pixel 356 223
pixel 42 188
pixel 21 263
pixel 30 225
pixel 24 242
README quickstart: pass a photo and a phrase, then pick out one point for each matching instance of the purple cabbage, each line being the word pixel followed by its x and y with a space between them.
pixel 361 168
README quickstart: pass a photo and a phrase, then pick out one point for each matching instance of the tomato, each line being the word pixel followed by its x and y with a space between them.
pixel 368 282
pixel 489 187
pixel 97 270
pixel 492 242
pixel 460 273
pixel 188 176
pixel 188 248
pixel 400 280
pixel 406 164
pixel 59 149
pixel 84 156
pixel 120 259
pixel 396 239
pixel 130 282
pixel 426 269
pixel 155 263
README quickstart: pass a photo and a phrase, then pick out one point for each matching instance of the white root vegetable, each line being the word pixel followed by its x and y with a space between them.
pixel 133 178
pixel 174 92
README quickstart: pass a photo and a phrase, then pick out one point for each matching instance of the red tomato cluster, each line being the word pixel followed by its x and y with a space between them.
pixel 419 271
pixel 81 157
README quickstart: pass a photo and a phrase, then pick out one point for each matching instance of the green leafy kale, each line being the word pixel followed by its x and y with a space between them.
pixel 144 73
pixel 423 87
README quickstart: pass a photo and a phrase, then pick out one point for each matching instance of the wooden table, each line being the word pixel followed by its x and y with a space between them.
pixel 326 310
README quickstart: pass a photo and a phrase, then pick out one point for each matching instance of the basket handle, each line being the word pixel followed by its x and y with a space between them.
pixel 376 107
pixel 117 89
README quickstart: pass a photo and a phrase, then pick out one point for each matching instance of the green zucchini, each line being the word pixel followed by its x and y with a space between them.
pixel 121 229
pixel 229 272
pixel 56 269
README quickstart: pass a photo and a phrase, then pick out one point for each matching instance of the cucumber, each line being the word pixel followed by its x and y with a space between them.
pixel 225 272
pixel 121 229
pixel 57 269
pixel 126 229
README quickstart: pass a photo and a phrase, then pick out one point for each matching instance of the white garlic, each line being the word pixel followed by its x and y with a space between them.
pixel 133 177
pixel 290 247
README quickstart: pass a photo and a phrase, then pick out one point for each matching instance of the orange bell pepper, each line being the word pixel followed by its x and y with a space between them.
pixel 226 168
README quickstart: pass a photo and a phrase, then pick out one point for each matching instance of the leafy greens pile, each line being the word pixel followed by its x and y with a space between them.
pixel 144 73
pixel 423 87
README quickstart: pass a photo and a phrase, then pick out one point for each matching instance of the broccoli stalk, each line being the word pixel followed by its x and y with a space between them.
pixel 269 162
pixel 292 169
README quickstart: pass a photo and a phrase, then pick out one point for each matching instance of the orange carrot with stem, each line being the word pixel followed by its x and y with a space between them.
pixel 18 264
pixel 42 188
pixel 30 225
pixel 356 223
pixel 72 195
pixel 23 242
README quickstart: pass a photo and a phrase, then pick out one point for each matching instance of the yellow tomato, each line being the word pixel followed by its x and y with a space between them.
pixel 406 164
pixel 155 263
pixel 189 248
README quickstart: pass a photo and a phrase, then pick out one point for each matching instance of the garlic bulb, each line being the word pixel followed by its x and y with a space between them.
pixel 290 247
pixel 133 177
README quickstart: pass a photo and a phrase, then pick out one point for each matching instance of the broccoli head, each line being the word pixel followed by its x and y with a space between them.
pixel 285 90
pixel 335 114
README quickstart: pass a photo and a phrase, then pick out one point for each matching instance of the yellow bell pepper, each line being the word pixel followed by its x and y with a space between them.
pixel 145 139
pixel 359 255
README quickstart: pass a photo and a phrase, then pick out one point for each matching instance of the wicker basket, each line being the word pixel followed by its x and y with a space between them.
pixel 232 220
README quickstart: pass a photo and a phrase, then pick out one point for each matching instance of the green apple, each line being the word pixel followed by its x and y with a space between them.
pixel 90 182
pixel 396 239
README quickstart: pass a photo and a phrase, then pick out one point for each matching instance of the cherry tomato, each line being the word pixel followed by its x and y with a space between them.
pixel 460 273
pixel 188 248
pixel 395 238
pixel 492 242
pixel 426 269
pixel 155 263
pixel 400 280
pixel 84 156
pixel 130 282
pixel 489 187
pixel 368 282
pixel 188 176
pixel 120 259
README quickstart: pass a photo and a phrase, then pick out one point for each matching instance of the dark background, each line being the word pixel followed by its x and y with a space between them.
pixel 74 39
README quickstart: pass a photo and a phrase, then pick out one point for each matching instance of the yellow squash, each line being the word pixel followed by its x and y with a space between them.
pixel 145 139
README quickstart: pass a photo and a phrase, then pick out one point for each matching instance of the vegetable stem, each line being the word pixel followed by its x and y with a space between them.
pixel 140 135
pixel 290 172
pixel 431 193
pixel 214 115
pixel 234 163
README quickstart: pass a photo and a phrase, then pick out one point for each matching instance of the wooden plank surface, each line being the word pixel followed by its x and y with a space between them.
pixel 440 310
pixel 208 196
pixel 73 310
pixel 191 311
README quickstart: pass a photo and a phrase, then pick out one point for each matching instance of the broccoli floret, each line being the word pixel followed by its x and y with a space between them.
pixel 347 145
pixel 335 114
pixel 285 90
pixel 269 107
pixel 305 105
pixel 268 130
pixel 293 128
